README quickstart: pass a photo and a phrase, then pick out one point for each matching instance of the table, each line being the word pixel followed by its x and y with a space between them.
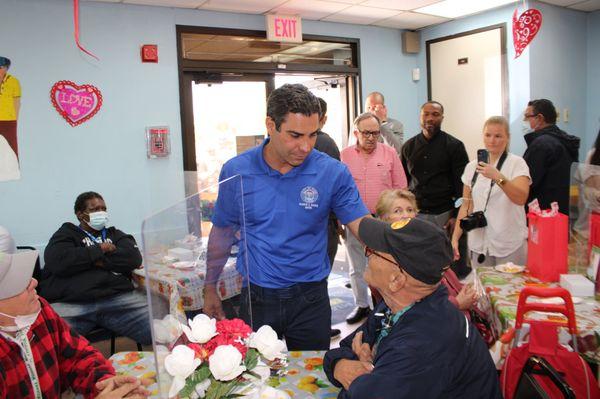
pixel 184 289
pixel 503 291
pixel 304 379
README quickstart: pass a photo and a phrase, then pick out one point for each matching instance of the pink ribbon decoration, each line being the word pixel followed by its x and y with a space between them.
pixel 76 23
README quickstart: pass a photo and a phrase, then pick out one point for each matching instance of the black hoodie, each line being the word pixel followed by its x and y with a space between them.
pixel 549 155
pixel 77 270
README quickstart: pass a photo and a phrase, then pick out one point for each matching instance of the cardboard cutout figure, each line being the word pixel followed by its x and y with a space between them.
pixel 10 103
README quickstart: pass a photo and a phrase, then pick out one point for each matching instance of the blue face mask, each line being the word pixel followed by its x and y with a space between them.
pixel 98 220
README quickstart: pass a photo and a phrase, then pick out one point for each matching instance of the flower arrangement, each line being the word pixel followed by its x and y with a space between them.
pixel 219 359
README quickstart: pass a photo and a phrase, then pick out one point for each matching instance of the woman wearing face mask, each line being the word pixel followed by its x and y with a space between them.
pixel 87 274
pixel 500 191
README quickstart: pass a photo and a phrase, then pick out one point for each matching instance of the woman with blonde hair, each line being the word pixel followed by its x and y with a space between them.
pixel 494 194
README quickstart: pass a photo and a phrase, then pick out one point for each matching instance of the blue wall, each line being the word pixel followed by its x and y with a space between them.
pixel 593 78
pixel 107 154
pixel 558 66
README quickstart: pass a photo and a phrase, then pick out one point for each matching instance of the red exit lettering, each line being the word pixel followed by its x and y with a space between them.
pixel 285 27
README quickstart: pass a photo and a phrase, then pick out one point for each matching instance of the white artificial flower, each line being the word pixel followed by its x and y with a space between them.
pixel 225 363
pixel 200 389
pixel 266 342
pixel 201 329
pixel 167 330
pixel 181 363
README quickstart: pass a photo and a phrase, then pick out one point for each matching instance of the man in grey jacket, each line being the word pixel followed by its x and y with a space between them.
pixel 392 130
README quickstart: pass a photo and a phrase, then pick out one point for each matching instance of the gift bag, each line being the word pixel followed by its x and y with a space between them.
pixel 547 244
pixel 594 231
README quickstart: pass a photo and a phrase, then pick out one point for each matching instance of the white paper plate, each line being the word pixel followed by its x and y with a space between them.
pixel 184 265
pixel 509 268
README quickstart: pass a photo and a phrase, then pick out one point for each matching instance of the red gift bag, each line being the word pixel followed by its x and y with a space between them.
pixel 547 246
pixel 594 231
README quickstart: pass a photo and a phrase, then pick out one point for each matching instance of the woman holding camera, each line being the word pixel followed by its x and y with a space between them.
pixel 495 191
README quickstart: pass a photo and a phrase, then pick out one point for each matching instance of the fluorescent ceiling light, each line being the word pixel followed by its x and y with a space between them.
pixel 460 8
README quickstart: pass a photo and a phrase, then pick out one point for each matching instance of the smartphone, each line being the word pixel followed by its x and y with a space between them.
pixel 483 156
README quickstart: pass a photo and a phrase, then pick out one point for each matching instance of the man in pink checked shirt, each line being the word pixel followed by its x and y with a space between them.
pixel 375 167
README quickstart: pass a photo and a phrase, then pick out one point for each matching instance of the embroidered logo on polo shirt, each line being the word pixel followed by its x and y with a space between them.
pixel 309 196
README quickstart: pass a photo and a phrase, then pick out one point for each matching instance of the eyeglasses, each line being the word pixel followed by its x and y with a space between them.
pixel 366 133
pixel 527 116
pixel 369 252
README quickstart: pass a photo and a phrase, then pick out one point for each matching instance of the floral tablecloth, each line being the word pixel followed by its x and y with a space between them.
pixel 185 288
pixel 503 290
pixel 304 378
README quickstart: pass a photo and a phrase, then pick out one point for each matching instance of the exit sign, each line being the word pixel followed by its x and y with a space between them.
pixel 284 28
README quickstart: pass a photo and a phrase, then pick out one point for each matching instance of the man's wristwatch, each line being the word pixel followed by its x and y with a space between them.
pixel 501 181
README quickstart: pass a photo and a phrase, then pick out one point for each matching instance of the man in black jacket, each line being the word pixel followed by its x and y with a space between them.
pixel 549 155
pixel 87 275
pixel 434 162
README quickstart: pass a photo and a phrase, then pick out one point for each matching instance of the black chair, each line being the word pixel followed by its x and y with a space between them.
pixel 102 334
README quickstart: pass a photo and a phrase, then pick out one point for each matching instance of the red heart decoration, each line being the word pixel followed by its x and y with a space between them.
pixel 75 103
pixel 525 28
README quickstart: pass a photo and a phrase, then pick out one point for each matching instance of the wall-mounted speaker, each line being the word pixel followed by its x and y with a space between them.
pixel 411 42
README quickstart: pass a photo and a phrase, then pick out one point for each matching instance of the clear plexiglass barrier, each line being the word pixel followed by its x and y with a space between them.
pixel 584 216
pixel 191 249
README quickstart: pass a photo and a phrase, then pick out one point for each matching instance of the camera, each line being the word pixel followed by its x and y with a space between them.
pixel 473 221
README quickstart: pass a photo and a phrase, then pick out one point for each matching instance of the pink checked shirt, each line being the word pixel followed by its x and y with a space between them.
pixel 375 172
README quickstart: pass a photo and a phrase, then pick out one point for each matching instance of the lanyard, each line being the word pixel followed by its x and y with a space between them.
pixel 499 167
pixel 97 240
pixel 388 321
pixel 21 340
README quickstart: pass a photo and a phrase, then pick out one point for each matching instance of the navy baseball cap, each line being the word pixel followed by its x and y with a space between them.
pixel 4 62
pixel 421 248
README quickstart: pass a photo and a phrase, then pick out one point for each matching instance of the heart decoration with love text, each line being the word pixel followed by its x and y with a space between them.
pixel 525 28
pixel 75 103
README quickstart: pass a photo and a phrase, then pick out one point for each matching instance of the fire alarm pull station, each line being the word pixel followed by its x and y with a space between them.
pixel 158 141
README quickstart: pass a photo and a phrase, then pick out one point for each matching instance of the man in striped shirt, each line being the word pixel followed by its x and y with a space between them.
pixel 375 167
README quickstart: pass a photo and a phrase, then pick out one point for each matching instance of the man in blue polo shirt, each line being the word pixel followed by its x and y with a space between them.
pixel 288 192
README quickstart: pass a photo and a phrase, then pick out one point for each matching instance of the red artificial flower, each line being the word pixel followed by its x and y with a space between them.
pixel 225 339
pixel 201 352
pixel 235 328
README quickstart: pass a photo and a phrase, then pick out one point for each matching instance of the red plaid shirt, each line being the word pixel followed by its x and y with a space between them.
pixel 63 360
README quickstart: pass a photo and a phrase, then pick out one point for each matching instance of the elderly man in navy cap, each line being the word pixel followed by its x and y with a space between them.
pixel 40 356
pixel 416 344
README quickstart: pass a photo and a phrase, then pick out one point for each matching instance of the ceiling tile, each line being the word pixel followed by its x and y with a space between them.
pixel 360 15
pixel 461 8
pixel 170 3
pixel 402 5
pixel 310 9
pixel 410 20
pixel 245 6
pixel 562 3
pixel 348 1
pixel 588 6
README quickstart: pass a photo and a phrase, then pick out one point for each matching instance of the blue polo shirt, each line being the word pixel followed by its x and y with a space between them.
pixel 286 214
